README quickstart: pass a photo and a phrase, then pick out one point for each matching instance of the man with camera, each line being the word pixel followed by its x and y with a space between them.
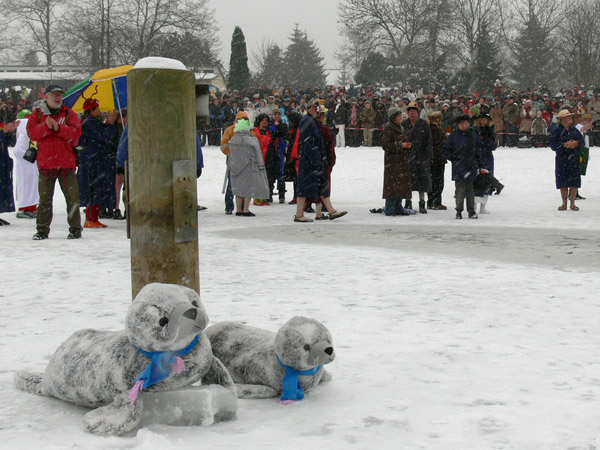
pixel 56 129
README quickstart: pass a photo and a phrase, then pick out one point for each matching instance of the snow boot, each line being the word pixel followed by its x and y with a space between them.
pixel 422 209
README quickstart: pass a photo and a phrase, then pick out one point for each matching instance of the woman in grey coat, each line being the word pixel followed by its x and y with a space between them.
pixel 246 168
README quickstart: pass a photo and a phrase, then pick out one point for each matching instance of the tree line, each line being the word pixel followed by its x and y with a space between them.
pixel 470 43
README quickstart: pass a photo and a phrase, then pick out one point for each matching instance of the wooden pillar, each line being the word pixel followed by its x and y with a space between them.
pixel 162 174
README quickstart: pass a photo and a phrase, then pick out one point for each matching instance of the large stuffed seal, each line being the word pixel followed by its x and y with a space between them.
pixel 264 364
pixel 162 348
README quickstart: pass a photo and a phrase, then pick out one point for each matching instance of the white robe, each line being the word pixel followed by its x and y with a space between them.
pixel 26 174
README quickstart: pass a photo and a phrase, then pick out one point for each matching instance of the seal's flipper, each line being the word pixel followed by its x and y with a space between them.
pixel 117 418
pixel 29 382
pixel 218 374
pixel 325 377
pixel 255 391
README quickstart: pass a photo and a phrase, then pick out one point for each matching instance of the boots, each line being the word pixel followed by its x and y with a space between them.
pixel 482 209
pixel 408 204
pixel 422 209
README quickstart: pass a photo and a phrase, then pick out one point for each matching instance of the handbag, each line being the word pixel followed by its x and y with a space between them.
pixel 30 154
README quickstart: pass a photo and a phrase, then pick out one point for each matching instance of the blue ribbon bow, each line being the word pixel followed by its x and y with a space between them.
pixel 160 366
pixel 292 389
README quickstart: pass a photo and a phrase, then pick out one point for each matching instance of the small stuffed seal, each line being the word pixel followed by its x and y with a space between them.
pixel 162 348
pixel 264 364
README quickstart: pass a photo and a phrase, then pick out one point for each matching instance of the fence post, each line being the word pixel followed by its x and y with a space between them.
pixel 162 174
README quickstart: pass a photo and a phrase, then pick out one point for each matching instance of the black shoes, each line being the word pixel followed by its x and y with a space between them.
pixel 117 215
pixel 499 188
pixel 4 222
pixel 459 214
pixel 422 209
pixel 39 236
pixel 106 214
pixel 472 215
pixel 579 197
pixel 408 204
pixel 248 214
pixel 74 235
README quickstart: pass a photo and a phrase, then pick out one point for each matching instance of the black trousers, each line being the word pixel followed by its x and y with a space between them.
pixel 464 190
pixel 434 198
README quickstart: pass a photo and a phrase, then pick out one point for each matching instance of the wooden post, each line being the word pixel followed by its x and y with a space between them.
pixel 162 174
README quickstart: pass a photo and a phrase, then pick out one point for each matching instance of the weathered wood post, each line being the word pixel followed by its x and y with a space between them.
pixel 162 174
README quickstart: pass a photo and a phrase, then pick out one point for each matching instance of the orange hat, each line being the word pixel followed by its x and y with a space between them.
pixel 241 114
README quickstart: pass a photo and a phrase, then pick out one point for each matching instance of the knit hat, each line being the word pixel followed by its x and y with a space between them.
pixel 393 112
pixel 243 114
pixel 463 118
pixel 275 110
pixel 474 110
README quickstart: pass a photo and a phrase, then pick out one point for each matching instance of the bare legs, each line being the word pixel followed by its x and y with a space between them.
pixel 568 194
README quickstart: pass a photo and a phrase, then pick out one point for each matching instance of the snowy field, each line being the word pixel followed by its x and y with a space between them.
pixel 472 334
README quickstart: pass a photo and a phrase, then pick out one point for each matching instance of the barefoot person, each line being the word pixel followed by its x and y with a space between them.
pixel 566 141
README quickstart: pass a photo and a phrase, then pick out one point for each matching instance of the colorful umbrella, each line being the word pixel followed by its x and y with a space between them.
pixel 108 86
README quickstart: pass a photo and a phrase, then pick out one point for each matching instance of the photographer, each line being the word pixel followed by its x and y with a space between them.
pixel 56 128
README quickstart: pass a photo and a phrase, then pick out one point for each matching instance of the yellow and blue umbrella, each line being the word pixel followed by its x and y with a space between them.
pixel 108 86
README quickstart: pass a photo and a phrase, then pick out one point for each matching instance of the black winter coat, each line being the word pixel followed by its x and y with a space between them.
pixel 463 149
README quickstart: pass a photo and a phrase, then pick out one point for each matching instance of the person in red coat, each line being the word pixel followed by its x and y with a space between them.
pixel 56 128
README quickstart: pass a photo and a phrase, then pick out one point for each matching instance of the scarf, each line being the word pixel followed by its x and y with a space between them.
pixel 292 389
pixel 160 367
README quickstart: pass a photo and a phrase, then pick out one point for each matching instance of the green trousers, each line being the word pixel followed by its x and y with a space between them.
pixel 70 188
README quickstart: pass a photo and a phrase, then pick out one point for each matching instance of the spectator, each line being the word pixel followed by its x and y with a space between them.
pixel 245 166
pixel 269 154
pixel 339 116
pixel 7 200
pixel 438 163
pixel 26 173
pixel 312 176
pixel 498 119
pixel 527 115
pixel 329 143
pixel 463 149
pixel 584 127
pixel 396 164
pixel 485 129
pixel 99 138
pixel 367 118
pixel 422 154
pixel 56 128
pixel 539 131
pixel 510 114
pixel 227 135
pixel 280 134
pixel 566 141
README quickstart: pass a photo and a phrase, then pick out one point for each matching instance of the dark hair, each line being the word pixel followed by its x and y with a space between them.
pixel 259 119
pixel 294 117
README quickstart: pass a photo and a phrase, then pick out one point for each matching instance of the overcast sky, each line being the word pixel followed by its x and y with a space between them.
pixel 274 20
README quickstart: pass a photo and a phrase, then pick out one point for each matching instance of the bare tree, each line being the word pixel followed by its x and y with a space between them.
pixel 397 28
pixel 469 18
pixel 91 31
pixel 149 19
pixel 581 43
pixel 39 18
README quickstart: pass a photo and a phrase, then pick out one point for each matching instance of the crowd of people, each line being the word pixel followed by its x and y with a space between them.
pixel 276 136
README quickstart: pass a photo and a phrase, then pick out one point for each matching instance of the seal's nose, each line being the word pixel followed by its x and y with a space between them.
pixel 329 351
pixel 192 313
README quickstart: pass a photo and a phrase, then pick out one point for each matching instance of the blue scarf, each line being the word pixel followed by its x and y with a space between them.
pixel 292 389
pixel 160 366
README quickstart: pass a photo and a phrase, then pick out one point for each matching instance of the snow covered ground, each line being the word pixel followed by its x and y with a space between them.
pixel 472 334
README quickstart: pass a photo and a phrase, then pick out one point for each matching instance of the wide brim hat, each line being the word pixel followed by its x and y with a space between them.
pixel 564 113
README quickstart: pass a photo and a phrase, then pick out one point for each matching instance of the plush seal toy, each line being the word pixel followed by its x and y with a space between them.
pixel 264 364
pixel 162 348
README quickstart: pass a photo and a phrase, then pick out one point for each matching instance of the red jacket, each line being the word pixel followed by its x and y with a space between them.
pixel 264 141
pixel 55 148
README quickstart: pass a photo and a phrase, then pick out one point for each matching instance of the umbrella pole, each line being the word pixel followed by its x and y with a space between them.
pixel 118 101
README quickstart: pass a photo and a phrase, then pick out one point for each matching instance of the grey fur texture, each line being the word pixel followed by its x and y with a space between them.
pixel 249 354
pixel 97 369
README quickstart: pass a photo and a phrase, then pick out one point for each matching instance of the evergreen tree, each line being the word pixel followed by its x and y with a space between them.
pixel 303 62
pixel 485 65
pixel 239 74
pixel 271 70
pixel 533 64
pixel 373 70
pixel 31 58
